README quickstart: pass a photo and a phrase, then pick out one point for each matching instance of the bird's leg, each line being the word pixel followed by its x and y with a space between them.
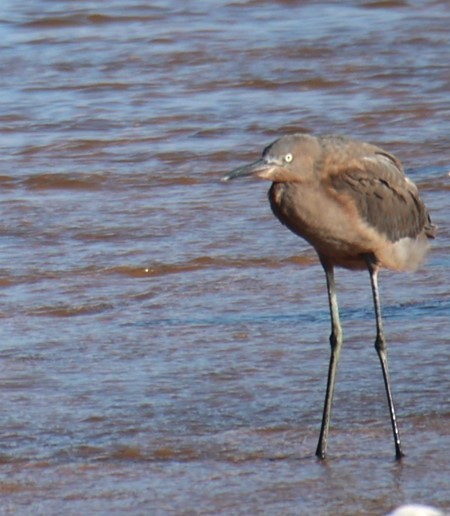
pixel 336 345
pixel 381 348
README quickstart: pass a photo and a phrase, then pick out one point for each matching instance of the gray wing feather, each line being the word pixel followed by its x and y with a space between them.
pixel 384 197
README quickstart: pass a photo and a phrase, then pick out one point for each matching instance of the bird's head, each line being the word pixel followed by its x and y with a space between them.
pixel 285 160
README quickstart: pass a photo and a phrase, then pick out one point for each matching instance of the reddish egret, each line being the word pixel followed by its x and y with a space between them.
pixel 353 203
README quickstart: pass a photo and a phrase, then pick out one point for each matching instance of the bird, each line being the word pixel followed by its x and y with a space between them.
pixel 352 202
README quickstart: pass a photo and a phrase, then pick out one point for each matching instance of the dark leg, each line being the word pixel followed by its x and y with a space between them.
pixel 381 347
pixel 336 345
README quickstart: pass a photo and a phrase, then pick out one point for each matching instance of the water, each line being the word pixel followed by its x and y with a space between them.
pixel 163 338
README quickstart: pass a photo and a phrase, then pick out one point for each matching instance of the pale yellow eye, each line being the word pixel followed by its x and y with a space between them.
pixel 288 158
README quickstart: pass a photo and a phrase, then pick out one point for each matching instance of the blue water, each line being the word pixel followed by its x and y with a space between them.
pixel 164 340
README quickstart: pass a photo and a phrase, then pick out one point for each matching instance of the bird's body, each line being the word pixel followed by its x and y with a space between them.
pixel 353 203
pixel 339 205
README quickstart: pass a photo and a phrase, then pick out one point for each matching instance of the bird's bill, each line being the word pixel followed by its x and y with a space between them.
pixel 258 168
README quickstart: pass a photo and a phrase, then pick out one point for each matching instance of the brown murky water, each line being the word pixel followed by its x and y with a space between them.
pixel 164 340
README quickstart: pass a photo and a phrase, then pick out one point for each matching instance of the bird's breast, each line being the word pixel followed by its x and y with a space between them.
pixel 304 209
pixel 330 226
pixel 307 210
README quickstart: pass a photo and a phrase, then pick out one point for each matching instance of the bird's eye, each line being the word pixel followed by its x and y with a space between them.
pixel 288 158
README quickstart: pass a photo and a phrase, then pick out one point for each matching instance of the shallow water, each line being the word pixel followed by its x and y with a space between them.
pixel 163 338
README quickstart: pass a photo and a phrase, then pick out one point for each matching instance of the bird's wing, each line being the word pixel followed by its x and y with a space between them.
pixel 384 197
